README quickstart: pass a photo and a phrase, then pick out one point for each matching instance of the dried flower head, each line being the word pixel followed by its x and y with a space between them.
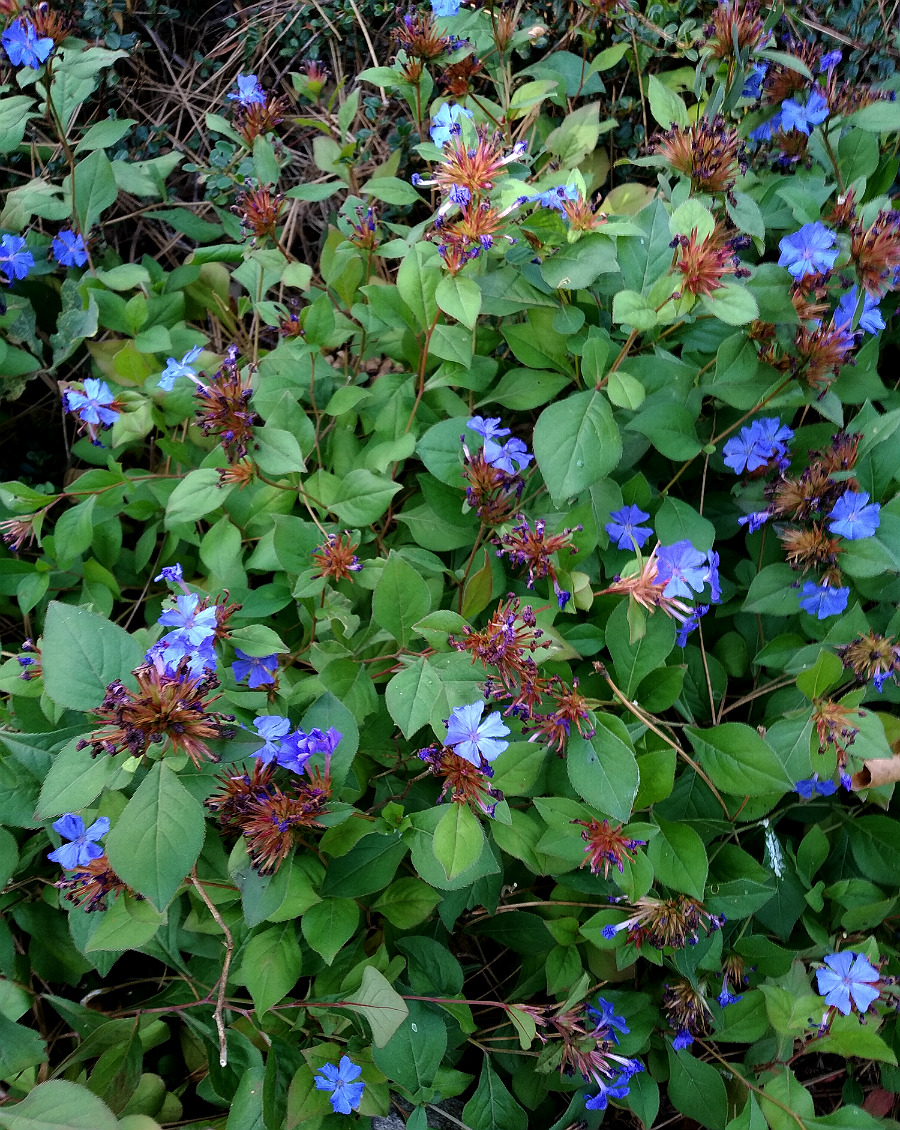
pixel 674 922
pixel 167 704
pixel 274 821
pixel 736 23
pixel 464 783
pixel 492 492
pixel 459 79
pixel 224 408
pixel 709 152
pixel 705 262
pixel 834 726
pixel 238 790
pixel 810 548
pixel 872 656
pixel 823 351
pixel 257 119
pixel 686 1010
pixel 259 209
pixel 336 558
pixel 91 885
pixel 875 252
pixel 554 728
pixel 783 82
pixel 535 549
pixel 469 171
pixel 606 845
pixel 418 36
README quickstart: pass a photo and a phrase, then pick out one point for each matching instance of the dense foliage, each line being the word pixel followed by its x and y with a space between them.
pixel 452 636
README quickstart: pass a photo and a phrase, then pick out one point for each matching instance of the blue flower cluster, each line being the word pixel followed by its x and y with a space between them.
pixel 291 749
pixel 509 456
pixel 762 444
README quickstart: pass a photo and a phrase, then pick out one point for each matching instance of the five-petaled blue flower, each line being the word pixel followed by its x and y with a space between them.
pixel 346 1094
pixel 823 600
pixel 445 122
pixel 754 446
pixel 803 118
pixel 15 258
pixel 68 248
pixel 24 47
pixel 683 567
pixel 91 406
pixel 487 428
pixel 556 197
pixel 626 530
pixel 848 980
pixel 613 1089
pixel 445 7
pixel 504 456
pixel 854 517
pixel 474 739
pixel 812 786
pixel 260 668
pixel 870 318
pixel 83 846
pixel 248 91
pixel 272 728
pixel 753 81
pixel 683 1039
pixel 182 368
pixel 194 625
pixel 604 1016
pixel 809 251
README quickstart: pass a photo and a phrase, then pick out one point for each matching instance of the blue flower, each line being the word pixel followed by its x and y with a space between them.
pixel 346 1095
pixel 474 739
pixel 68 248
pixel 556 197
pixel 15 259
pixel 459 194
pixel 848 981
pixel 809 251
pixel 297 748
pixel 812 786
pixel 487 428
pixel 830 60
pixel 170 573
pixel 870 319
pixel 445 7
pixel 261 669
pixel 690 624
pixel 513 451
pixel 726 998
pixel 682 567
pixel 270 727
pixel 626 529
pixel 754 79
pixel 83 847
pixel 91 406
pixel 614 1089
pixel 803 118
pixel 754 446
pixel 175 647
pixel 766 130
pixel 182 368
pixel 445 122
pixel 23 47
pixel 248 91
pixel 683 1039
pixel 823 600
pixel 755 521
pixel 194 625
pixel 563 596
pixel 604 1016
pixel 854 517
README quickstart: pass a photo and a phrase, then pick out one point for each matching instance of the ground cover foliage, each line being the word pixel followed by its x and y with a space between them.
pixel 453 537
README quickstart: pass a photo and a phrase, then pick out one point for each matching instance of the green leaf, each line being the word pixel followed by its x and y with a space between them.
pixel 492 1105
pixel 603 770
pixel 198 494
pixel 634 661
pixel 380 1004
pixel 458 840
pixel 406 902
pixel 401 598
pixel 854 1039
pixel 625 391
pixel 411 695
pixel 76 778
pixel 670 428
pixel 417 281
pixel 826 673
pixel 632 309
pixel 58 1105
pixel 95 188
pixel 692 216
pixel 521 389
pixel 271 964
pixel 391 190
pixel 679 859
pixel 771 591
pixel 880 117
pixel 329 925
pixel 576 266
pixel 666 106
pixel 576 443
pixel 258 640
pixel 158 836
pixel 127 925
pixel 82 654
pixel 413 1054
pixel 362 498
pixel 738 760
pixel 277 451
pixel 478 589
pixel 20 1048
pixel 460 298
pixel 795 1103
pixel 696 1090
pixel 732 303
pixel 102 134
pixel 451 343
